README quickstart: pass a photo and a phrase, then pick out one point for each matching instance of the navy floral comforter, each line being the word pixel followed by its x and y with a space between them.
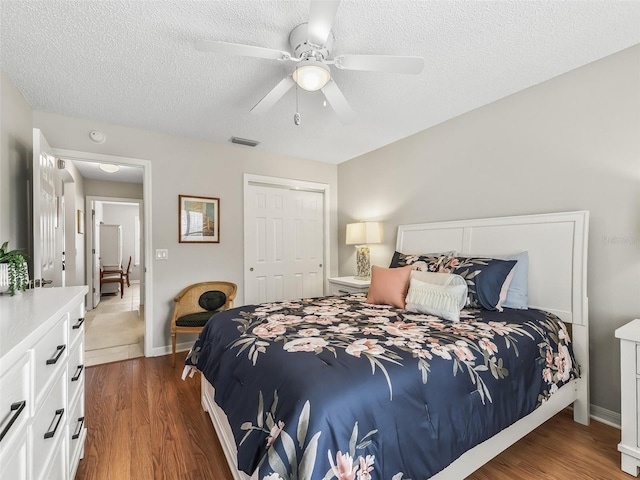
pixel 337 388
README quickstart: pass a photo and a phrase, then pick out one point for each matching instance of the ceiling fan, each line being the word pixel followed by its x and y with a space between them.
pixel 311 45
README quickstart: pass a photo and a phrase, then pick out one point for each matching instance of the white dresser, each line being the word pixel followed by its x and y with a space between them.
pixel 42 383
pixel 629 446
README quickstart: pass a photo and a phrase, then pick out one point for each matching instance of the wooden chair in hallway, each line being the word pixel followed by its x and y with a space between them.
pixel 125 274
pixel 116 276
pixel 195 305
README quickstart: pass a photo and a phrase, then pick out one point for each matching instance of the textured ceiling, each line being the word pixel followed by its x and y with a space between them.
pixel 92 170
pixel 134 63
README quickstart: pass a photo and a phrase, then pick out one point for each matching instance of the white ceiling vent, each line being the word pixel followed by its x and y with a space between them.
pixel 244 141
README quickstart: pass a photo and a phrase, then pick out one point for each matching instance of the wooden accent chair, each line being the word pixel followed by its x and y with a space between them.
pixel 116 276
pixel 195 304
pixel 126 273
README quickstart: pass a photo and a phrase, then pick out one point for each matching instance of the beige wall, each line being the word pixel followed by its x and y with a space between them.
pixel 101 188
pixel 184 166
pixel 571 143
pixel 16 150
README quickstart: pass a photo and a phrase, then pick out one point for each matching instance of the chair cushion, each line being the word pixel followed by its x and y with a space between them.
pixel 111 276
pixel 212 300
pixel 194 319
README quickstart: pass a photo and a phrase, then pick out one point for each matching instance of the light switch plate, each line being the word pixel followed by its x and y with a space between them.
pixel 162 254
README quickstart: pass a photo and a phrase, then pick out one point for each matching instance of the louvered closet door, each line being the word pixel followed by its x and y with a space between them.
pixel 284 246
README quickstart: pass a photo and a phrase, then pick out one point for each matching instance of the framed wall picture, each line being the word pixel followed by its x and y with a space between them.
pixel 198 219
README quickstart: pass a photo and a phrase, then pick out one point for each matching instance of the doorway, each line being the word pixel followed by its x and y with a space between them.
pixel 115 323
pixel 138 294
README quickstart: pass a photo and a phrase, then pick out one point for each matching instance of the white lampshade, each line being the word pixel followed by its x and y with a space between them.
pixel 363 233
pixel 311 75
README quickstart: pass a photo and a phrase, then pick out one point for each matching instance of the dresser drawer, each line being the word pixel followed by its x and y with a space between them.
pixel 15 400
pixel 57 468
pixel 50 354
pixel 75 371
pixel 76 433
pixel 14 462
pixel 49 426
pixel 638 412
pixel 346 289
pixel 76 324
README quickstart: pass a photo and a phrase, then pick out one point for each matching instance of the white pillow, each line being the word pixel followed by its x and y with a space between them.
pixel 443 295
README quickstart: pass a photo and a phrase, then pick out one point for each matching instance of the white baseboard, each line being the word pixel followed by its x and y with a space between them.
pixel 165 350
pixel 608 417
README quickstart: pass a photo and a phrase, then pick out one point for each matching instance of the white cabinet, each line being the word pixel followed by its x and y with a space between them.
pixel 347 285
pixel 629 446
pixel 42 383
pixel 111 245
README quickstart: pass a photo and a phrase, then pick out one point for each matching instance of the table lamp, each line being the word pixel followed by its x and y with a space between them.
pixel 361 234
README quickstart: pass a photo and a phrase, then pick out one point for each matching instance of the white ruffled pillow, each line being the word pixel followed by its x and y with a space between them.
pixel 440 294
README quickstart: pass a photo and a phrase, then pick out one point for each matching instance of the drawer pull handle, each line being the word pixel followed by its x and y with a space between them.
pixel 79 324
pixel 17 407
pixel 343 291
pixel 78 373
pixel 76 435
pixel 59 414
pixel 59 350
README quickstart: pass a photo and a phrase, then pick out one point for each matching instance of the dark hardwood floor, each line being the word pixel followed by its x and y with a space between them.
pixel 144 422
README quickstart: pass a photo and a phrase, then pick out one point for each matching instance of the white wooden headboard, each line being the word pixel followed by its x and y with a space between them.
pixel 557 246
pixel 556 242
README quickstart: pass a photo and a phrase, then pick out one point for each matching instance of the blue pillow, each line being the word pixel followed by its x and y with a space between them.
pixel 486 278
pixel 518 293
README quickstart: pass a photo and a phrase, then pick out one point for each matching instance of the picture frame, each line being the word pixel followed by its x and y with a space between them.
pixel 80 216
pixel 198 219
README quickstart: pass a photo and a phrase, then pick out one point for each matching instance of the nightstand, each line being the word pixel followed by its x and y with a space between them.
pixel 629 446
pixel 346 285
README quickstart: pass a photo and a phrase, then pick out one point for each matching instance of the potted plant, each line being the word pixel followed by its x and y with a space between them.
pixel 14 275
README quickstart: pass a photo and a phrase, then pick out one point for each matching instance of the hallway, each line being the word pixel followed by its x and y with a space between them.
pixel 115 330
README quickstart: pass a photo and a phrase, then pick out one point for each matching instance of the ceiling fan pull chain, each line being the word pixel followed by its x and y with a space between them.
pixel 296 116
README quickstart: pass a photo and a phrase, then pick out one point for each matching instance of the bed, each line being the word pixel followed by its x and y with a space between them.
pixel 300 417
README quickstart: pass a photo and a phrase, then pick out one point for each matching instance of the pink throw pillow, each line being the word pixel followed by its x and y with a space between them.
pixel 389 286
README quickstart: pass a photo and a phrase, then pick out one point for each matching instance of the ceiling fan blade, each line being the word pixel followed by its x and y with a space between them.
pixel 339 104
pixel 270 99
pixel 380 63
pixel 322 13
pixel 243 50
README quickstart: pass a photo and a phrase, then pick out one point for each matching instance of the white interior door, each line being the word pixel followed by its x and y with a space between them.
pixel 305 262
pixel 284 244
pixel 47 253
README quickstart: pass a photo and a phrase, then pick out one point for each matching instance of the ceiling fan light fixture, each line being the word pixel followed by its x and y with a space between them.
pixel 312 75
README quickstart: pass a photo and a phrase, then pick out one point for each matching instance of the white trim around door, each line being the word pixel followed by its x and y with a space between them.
pixel 146 198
